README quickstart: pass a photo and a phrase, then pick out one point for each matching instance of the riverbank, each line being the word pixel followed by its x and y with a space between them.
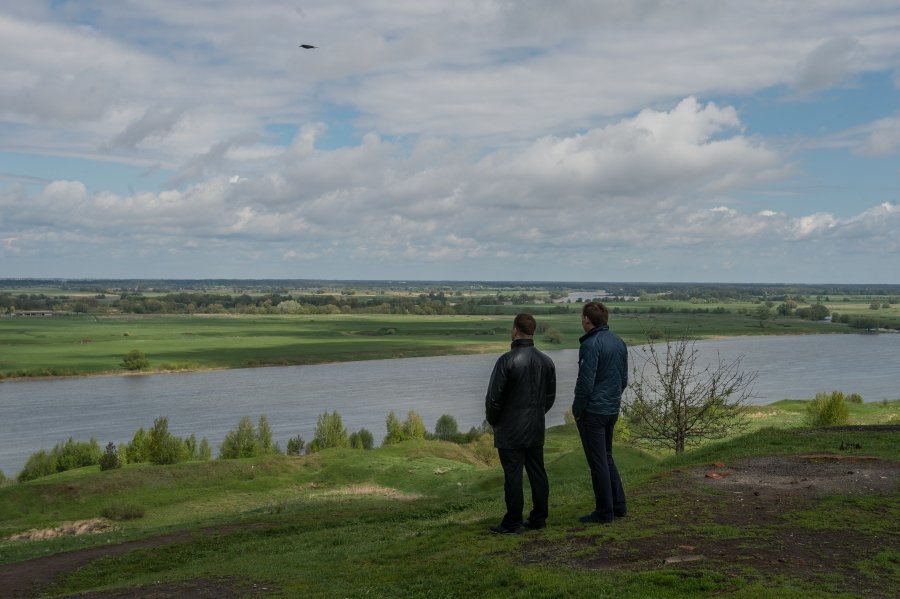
pixel 90 345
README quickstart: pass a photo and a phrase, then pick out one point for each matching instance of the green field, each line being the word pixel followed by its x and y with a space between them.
pixel 412 520
pixel 67 345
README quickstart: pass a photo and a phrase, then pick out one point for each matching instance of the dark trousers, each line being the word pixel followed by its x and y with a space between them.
pixel 532 459
pixel 596 438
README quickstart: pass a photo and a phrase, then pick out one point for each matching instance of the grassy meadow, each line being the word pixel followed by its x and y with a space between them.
pixel 67 345
pixel 412 520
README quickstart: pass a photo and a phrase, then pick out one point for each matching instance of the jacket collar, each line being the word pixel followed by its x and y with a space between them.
pixel 592 332
pixel 522 343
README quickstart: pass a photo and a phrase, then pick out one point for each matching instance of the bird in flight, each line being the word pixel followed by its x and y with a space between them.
pixel 307 46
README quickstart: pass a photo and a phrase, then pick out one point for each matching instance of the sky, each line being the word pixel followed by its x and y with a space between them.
pixel 573 140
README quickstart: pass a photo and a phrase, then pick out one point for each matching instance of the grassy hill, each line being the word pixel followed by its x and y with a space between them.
pixel 776 513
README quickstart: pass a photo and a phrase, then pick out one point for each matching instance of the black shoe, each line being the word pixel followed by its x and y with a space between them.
pixel 593 518
pixel 534 524
pixel 621 514
pixel 503 530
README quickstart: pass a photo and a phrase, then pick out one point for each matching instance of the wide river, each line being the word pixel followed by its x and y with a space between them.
pixel 38 414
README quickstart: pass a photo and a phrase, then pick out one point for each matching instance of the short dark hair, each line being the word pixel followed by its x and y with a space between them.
pixel 525 323
pixel 596 312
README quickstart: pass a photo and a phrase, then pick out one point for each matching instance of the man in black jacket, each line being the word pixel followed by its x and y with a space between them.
pixel 521 392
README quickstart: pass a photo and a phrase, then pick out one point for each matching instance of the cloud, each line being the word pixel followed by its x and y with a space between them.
pixel 155 122
pixel 882 139
pixel 471 135
pixel 828 64
pixel 437 202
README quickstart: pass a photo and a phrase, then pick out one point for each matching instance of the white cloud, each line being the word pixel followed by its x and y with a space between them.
pixel 883 138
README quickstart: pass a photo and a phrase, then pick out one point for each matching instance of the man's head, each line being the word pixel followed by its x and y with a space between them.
pixel 594 314
pixel 525 325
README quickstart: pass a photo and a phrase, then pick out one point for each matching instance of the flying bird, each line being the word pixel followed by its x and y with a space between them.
pixel 307 46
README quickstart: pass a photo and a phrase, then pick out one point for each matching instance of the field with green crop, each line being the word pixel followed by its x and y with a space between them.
pixel 66 345
pixel 780 512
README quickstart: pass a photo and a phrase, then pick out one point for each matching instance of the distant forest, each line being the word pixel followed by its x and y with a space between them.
pixel 308 296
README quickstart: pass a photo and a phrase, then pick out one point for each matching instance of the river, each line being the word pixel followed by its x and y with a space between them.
pixel 40 413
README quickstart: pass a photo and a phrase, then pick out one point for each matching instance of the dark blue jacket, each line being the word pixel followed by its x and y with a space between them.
pixel 602 373
pixel 521 391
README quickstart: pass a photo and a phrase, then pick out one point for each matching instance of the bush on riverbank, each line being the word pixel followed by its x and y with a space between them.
pixel 64 456
pixel 161 447
pixel 247 441
pixel 828 409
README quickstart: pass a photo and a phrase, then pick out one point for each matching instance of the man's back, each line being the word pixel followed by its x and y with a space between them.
pixel 602 372
pixel 521 391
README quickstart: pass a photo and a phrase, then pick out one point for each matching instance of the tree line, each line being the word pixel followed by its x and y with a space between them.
pixel 158 446
pixel 432 304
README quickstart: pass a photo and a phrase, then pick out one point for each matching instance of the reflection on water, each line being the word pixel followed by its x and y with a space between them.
pixel 39 414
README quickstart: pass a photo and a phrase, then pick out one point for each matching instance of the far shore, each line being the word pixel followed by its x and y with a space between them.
pixel 125 373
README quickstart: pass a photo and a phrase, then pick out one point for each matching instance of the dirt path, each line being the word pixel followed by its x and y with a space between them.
pixel 20 580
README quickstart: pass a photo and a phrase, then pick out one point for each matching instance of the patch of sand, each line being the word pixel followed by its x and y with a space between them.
pixel 66 529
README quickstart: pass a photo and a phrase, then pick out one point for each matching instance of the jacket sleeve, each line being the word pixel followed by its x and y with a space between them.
pixel 551 389
pixel 587 376
pixel 493 403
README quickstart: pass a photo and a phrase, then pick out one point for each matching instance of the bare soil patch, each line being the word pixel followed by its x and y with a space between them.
pixel 20 580
pixel 66 529
pixel 736 519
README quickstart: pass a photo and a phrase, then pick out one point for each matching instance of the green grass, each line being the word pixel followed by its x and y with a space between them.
pixel 411 520
pixel 93 344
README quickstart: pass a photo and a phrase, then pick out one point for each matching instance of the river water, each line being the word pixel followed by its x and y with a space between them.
pixel 38 414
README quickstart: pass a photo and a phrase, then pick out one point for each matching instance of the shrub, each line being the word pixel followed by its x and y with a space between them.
pixel 194 452
pixel 552 335
pixel 241 442
pixel 827 410
pixel 855 398
pixel 248 441
pixel 163 447
pixel 135 360
pixel 446 428
pixel 264 436
pixel 123 511
pixel 622 432
pixel 204 452
pixel 110 458
pixel 484 450
pixel 76 454
pixel 39 464
pixel 569 417
pixel 330 432
pixel 64 456
pixel 394 429
pixel 295 445
pixel 136 451
pixel 413 426
pixel 362 439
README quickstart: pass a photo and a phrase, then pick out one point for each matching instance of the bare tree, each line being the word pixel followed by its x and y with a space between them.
pixel 676 402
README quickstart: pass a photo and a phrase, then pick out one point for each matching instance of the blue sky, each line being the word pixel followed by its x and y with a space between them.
pixel 579 140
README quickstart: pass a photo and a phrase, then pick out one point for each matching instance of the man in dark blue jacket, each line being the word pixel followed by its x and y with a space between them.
pixel 602 377
pixel 521 391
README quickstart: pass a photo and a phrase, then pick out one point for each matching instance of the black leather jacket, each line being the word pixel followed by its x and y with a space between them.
pixel 522 390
